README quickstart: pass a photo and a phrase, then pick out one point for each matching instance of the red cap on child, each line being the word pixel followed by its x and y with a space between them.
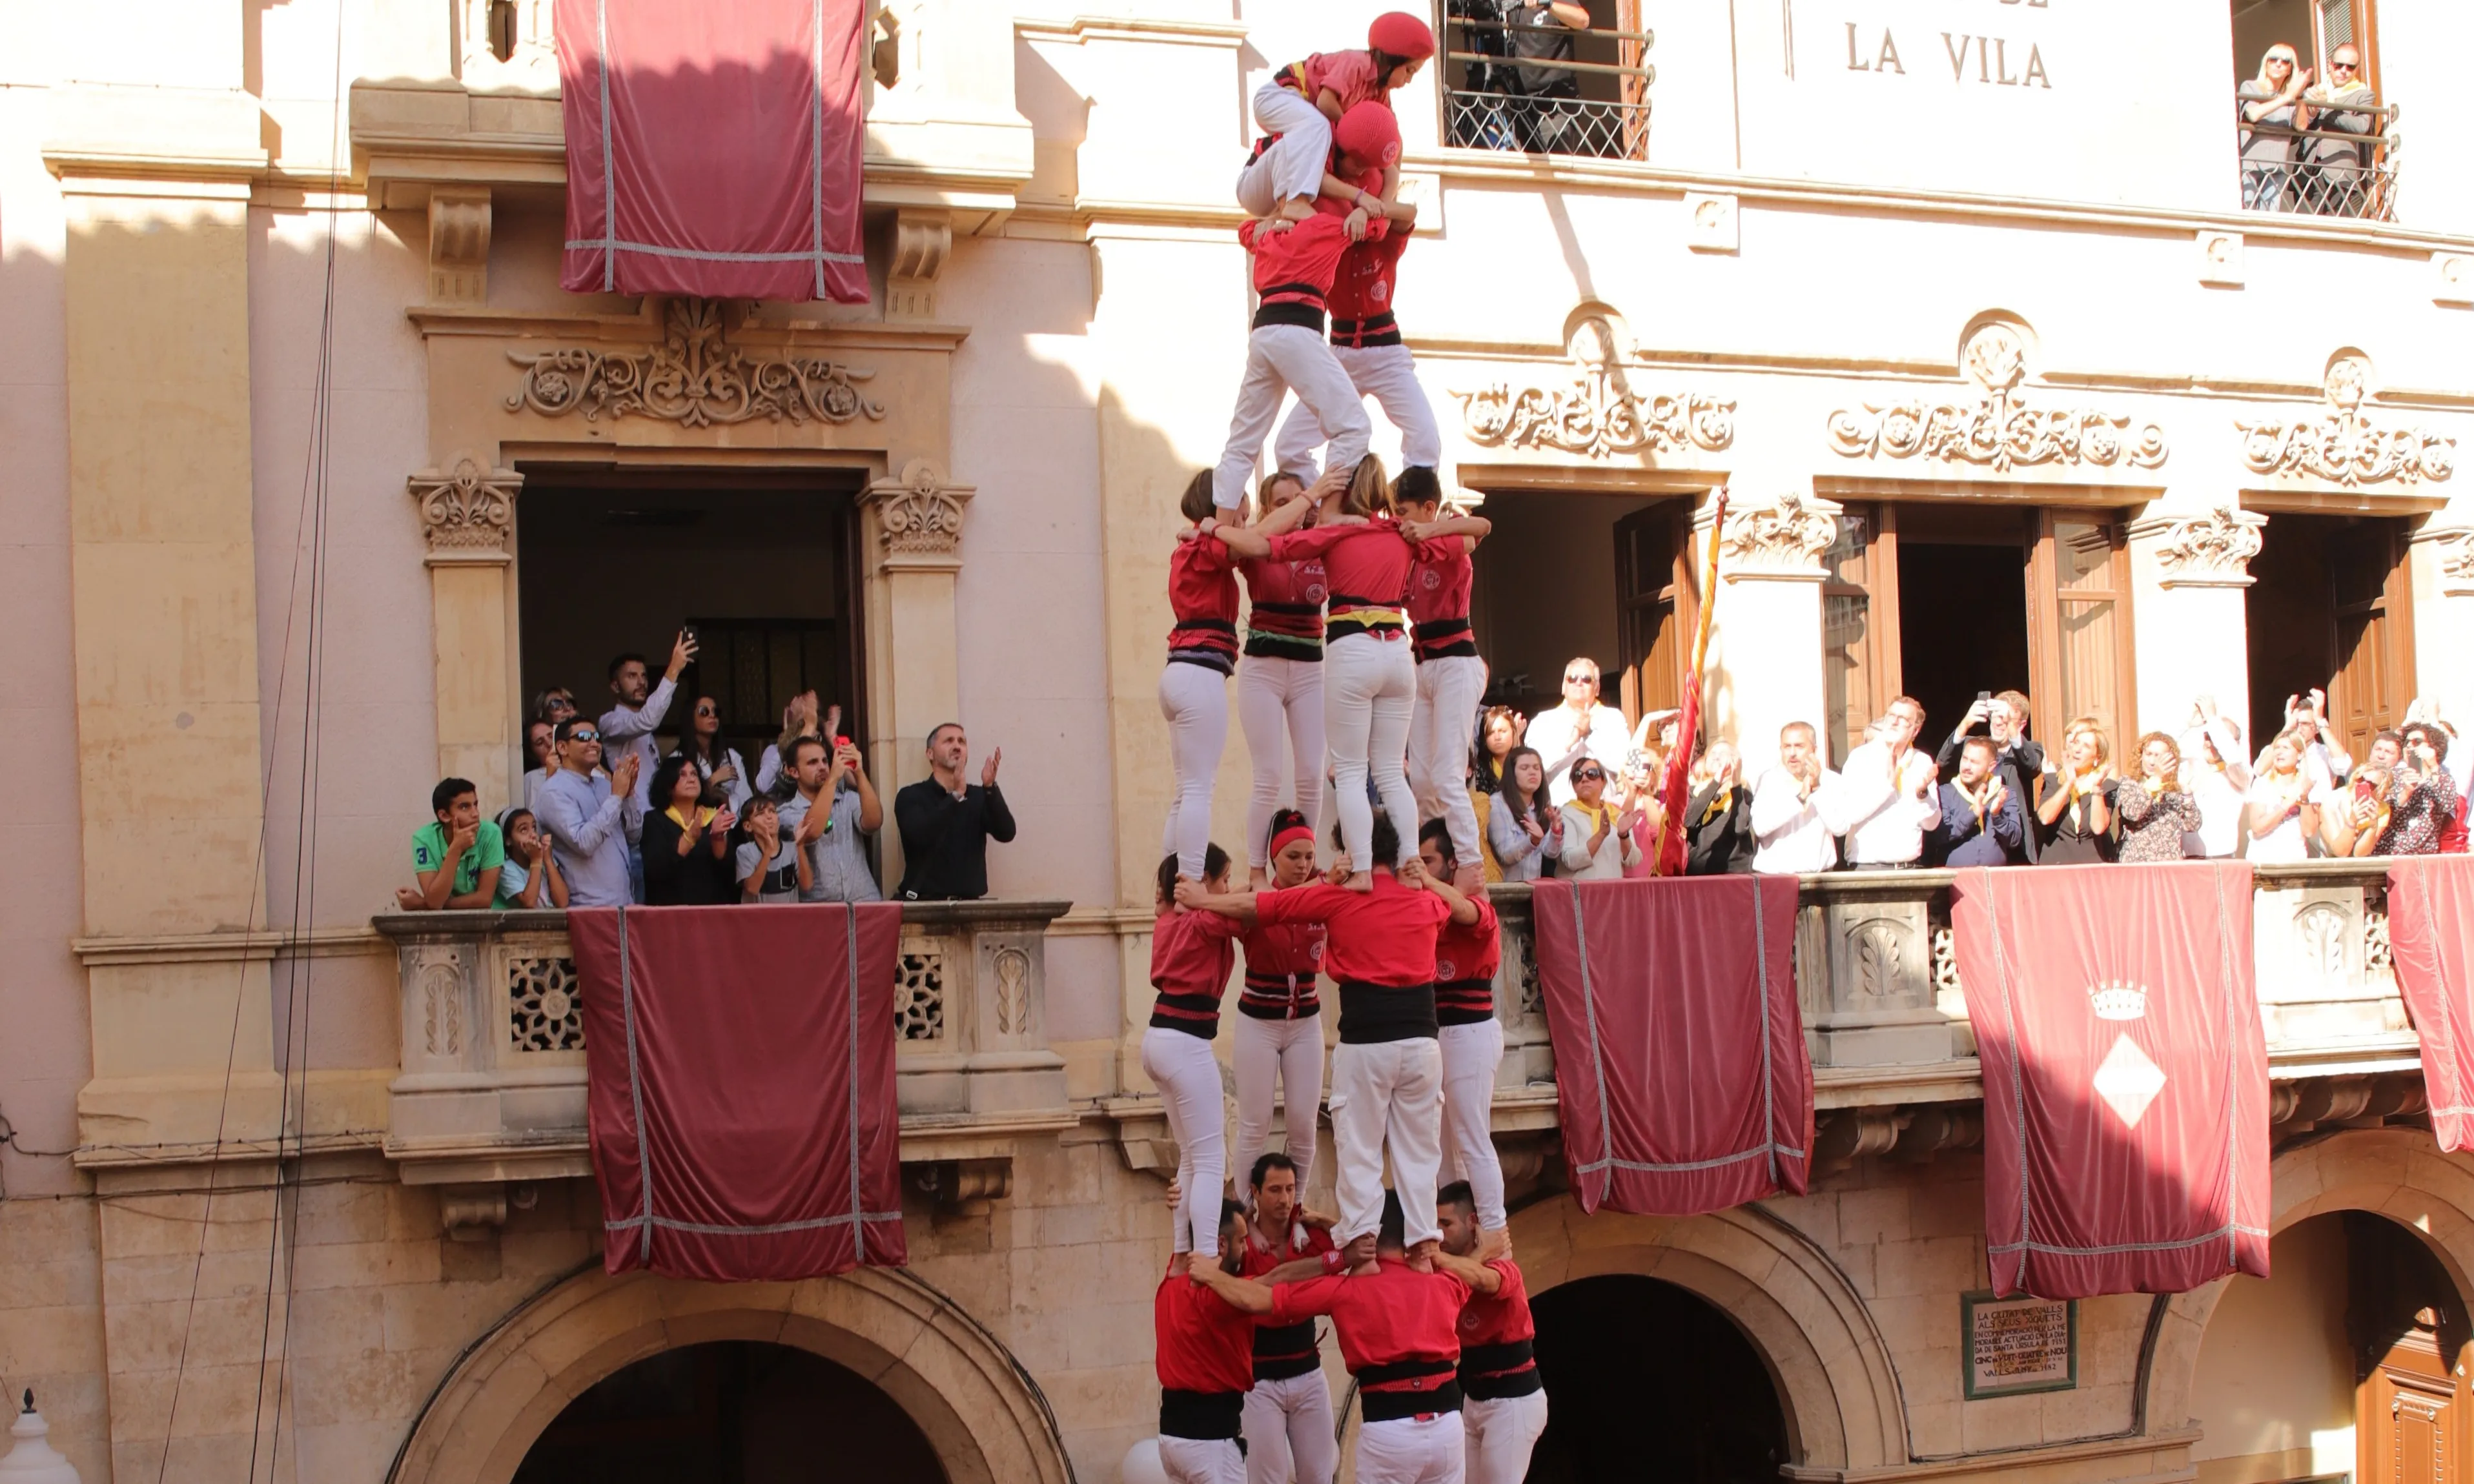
pixel 1370 132
pixel 1402 35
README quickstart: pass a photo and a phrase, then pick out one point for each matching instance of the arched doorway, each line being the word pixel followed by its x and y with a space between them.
pixel 1647 1380
pixel 730 1412
pixel 2348 1358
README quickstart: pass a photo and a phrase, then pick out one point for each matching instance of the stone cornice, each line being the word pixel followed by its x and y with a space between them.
pixel 261 946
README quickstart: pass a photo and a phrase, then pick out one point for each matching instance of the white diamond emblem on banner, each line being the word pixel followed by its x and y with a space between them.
pixel 2128 1082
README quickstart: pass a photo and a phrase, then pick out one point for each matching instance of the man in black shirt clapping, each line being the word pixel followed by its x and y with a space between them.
pixel 946 826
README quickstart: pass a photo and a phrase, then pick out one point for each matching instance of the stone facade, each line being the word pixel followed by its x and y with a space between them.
pixel 2056 304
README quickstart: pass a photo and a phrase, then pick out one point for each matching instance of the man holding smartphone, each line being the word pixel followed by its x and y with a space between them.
pixel 827 822
pixel 2018 762
pixel 627 733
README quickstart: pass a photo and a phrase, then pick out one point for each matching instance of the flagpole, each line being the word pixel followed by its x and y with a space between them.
pixel 1700 653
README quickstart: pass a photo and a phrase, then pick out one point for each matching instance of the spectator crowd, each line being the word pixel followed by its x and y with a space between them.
pixel 609 816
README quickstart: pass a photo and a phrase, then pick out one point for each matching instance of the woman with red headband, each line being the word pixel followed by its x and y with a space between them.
pixel 1278 1034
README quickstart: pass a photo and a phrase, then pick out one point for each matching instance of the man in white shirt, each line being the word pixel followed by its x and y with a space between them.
pixel 2216 777
pixel 1797 807
pixel 1891 797
pixel 627 732
pixel 1580 725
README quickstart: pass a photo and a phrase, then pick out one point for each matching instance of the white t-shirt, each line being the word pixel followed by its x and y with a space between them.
pixel 2286 843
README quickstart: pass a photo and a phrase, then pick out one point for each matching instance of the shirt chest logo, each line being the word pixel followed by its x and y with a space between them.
pixel 1430 579
pixel 1443 970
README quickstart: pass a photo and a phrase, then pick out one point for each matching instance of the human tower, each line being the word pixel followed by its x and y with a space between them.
pixel 1357 663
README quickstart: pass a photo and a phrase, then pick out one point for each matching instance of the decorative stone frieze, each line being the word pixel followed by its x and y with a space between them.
pixel 694 377
pixel 469 513
pixel 2212 550
pixel 1597 414
pixel 2343 446
pixel 1997 430
pixel 1783 538
pixel 919 513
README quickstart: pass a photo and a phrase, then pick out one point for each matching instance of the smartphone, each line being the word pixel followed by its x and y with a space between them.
pixel 1983 697
pixel 842 742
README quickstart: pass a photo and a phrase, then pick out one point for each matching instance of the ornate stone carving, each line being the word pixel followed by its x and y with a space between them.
pixel 695 378
pixel 1596 414
pixel 459 246
pixel 921 239
pixel 544 1005
pixel 919 512
pixel 441 981
pixel 2453 549
pixel 1786 536
pixel 1013 991
pixel 2343 446
pixel 468 510
pixel 919 993
pixel 1997 430
pixel 2210 551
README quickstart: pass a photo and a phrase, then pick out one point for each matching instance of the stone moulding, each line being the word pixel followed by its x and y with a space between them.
pixel 917 513
pixel 2207 551
pixel 1996 430
pixel 694 377
pixel 469 510
pixel 2343 446
pixel 1785 537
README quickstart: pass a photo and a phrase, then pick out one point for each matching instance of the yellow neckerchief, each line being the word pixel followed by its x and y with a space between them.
pixel 1719 803
pixel 1601 814
pixel 703 816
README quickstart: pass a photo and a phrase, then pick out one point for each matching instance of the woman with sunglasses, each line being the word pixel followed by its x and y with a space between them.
pixel 723 771
pixel 1598 843
pixel 2271 99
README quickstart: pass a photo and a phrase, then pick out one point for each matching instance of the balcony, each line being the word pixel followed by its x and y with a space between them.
pixel 1894 1060
pixel 490 1090
pixel 1582 106
pixel 2349 173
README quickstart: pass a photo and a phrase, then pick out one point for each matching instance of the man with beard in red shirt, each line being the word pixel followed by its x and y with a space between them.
pixel 1504 1404
pixel 1203 1354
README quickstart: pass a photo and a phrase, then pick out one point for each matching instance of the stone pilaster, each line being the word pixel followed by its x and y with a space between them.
pixel 913 553
pixel 468 514
pixel 2189 571
pixel 1767 620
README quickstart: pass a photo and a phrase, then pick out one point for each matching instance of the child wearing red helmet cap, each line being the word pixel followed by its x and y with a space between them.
pixel 1286 352
pixel 1301 103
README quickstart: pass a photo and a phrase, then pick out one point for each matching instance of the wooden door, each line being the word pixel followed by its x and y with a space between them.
pixel 2078 624
pixel 2371 600
pixel 2407 1325
pixel 1656 606
pixel 1860 626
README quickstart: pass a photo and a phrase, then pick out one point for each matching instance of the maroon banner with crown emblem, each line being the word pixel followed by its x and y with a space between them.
pixel 2125 1075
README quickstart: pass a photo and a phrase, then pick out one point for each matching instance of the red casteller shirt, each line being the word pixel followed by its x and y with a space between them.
pixel 1281 963
pixel 1368 564
pixel 1465 959
pixel 1496 1335
pixel 1439 599
pixel 1286 619
pixel 1192 957
pixel 1349 75
pixel 1385 936
pixel 1283 1350
pixel 1202 596
pixel 1201 1342
pixel 1392 1315
pixel 1362 289
pixel 1294 268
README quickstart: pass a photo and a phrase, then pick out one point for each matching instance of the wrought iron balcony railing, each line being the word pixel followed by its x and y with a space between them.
pixel 2323 171
pixel 1566 105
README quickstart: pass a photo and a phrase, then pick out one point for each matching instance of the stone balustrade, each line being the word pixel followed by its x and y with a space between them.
pixel 1894 1057
pixel 491 1085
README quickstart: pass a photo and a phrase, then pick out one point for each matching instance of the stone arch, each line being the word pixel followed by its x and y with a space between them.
pixel 2398 1172
pixel 1826 1358
pixel 954 1380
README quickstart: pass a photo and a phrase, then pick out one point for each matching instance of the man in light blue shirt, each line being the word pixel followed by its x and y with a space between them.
pixel 586 818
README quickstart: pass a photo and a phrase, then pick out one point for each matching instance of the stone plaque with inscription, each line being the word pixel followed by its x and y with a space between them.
pixel 2012 1346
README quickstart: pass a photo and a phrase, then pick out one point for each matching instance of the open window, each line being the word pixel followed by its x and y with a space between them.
pixel 1521 77
pixel 2308 157
pixel 2331 607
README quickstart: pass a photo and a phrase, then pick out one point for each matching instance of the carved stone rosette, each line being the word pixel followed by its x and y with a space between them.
pixel 2212 550
pixel 694 377
pixel 1997 430
pixel 2342 446
pixel 1784 539
pixel 918 514
pixel 469 513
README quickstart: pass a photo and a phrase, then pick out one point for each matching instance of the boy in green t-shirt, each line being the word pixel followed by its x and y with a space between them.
pixel 456 858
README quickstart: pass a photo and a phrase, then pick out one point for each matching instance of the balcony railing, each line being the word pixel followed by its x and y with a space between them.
pixel 1548 106
pixel 1894 1057
pixel 2324 172
pixel 492 1082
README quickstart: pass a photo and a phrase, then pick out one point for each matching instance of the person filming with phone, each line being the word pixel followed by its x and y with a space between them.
pixel 2025 769
pixel 827 822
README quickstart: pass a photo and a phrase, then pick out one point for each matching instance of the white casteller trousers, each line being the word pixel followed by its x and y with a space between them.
pixel 1289 1431
pixel 1387 1094
pixel 1202 1460
pixel 1448 689
pixel 1369 695
pixel 1279 704
pixel 1471 1054
pixel 1291 1052
pixel 1287 358
pixel 1388 374
pixel 1188 1077
pixel 1194 700
pixel 1501 1433
pixel 1406 1450
pixel 1301 145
